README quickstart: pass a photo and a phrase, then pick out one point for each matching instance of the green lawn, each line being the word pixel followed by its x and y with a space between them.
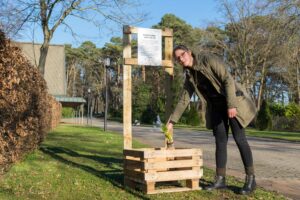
pixel 282 135
pixel 290 136
pixel 86 163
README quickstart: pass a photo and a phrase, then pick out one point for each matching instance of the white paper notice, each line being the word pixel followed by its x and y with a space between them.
pixel 149 47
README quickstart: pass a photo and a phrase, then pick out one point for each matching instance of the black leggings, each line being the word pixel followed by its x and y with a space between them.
pixel 220 129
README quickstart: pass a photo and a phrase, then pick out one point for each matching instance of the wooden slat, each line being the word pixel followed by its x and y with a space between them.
pixel 134 61
pixel 129 29
pixel 168 56
pixel 173 175
pixel 168 190
pixel 134 153
pixel 129 183
pixel 150 187
pixel 166 32
pixel 127 110
pixel 173 164
pixel 132 158
pixel 135 175
pixel 201 172
pixel 172 153
pixel 134 164
pixel 143 186
pixel 156 160
pixel 134 179
pixel 145 153
pixel 192 183
pixel 168 77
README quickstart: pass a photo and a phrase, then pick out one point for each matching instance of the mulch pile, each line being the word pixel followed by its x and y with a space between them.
pixel 27 111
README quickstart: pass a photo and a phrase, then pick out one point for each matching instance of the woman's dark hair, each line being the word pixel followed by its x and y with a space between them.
pixel 180 46
pixel 184 48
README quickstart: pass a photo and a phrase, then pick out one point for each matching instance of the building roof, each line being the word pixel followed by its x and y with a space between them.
pixel 70 101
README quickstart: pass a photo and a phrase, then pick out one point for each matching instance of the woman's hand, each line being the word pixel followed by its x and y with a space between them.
pixel 232 112
pixel 170 127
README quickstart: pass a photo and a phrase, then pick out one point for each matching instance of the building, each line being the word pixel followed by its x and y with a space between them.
pixel 55 71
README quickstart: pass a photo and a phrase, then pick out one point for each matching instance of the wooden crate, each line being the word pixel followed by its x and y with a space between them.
pixel 145 169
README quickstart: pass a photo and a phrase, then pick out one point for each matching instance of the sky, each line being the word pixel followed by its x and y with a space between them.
pixel 198 13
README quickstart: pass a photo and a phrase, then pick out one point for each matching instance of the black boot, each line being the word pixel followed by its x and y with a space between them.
pixel 220 183
pixel 249 185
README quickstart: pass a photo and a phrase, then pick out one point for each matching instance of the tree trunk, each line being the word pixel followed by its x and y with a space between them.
pixel 144 73
pixel 247 82
pixel 74 82
pixel 169 97
pixel 298 86
pixel 43 56
pixel 261 87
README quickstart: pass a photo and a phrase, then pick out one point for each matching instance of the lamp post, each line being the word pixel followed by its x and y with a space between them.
pixel 88 108
pixel 106 66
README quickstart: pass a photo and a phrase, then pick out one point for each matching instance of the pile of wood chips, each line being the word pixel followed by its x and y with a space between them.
pixel 25 106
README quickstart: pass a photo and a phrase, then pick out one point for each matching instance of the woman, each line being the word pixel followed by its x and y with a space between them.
pixel 227 105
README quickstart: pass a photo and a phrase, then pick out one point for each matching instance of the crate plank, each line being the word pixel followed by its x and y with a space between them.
pixel 173 175
pixel 134 153
pixel 177 189
pixel 173 164
pixel 134 164
pixel 192 183
pixel 172 153
pixel 138 175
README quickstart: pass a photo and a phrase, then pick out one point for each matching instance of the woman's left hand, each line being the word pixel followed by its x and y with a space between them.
pixel 232 112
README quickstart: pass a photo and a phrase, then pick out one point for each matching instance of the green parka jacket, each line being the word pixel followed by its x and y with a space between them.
pixel 214 70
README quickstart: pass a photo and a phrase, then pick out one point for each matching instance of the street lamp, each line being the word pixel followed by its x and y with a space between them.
pixel 88 108
pixel 106 66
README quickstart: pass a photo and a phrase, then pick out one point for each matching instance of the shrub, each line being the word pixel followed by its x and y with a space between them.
pixel 67 112
pixel 277 109
pixel 292 113
pixel 264 119
pixel 148 116
pixel 191 117
pixel 292 110
pixel 140 100
pixel 24 105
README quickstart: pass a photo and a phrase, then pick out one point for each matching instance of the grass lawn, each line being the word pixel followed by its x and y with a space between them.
pixel 86 163
pixel 289 136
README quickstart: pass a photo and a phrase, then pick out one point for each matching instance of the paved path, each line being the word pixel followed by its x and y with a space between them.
pixel 277 163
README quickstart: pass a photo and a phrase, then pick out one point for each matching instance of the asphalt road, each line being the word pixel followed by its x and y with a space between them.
pixel 276 162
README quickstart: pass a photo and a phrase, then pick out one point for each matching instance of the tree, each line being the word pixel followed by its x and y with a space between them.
pixel 51 14
pixel 291 61
pixel 72 70
pixel 183 33
pixel 289 10
pixel 264 118
pixel 11 20
pixel 85 71
pixel 114 50
pixel 253 44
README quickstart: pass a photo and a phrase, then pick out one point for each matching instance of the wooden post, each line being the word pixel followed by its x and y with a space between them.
pixel 170 73
pixel 127 111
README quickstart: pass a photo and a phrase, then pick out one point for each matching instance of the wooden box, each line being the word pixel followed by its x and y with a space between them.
pixel 145 169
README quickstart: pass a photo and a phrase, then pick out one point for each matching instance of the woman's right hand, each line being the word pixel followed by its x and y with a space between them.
pixel 170 127
pixel 170 144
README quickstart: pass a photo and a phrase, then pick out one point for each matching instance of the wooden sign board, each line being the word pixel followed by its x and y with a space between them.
pixel 149 47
